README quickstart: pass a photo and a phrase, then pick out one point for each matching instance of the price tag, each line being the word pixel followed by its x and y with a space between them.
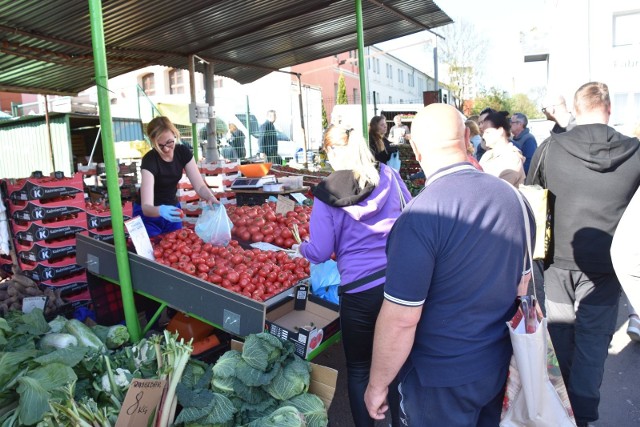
pixel 29 303
pixel 300 198
pixel 139 237
pixel 140 406
pixel 284 205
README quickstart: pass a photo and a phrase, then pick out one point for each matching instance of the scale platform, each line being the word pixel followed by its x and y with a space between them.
pixel 243 182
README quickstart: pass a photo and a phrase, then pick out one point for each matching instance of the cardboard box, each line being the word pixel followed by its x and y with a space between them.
pixel 38 252
pixel 40 210
pixel 323 379
pixel 44 188
pixel 307 326
pixel 37 231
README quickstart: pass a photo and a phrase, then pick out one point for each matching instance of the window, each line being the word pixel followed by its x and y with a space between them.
pixel 377 66
pixel 335 91
pixel 176 84
pixel 625 29
pixel 390 100
pixel 148 84
pixel 410 80
pixel 368 63
pixel 389 71
pixel 400 76
pixel 355 96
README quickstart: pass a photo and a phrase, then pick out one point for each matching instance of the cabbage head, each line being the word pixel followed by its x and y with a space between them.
pixel 311 407
pixel 293 379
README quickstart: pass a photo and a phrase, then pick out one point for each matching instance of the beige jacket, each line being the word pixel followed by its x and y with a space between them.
pixel 505 162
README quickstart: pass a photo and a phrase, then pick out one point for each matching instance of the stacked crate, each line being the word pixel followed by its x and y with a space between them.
pixel 99 220
pixel 46 214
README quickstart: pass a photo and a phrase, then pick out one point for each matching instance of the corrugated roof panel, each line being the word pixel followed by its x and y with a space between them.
pixel 253 36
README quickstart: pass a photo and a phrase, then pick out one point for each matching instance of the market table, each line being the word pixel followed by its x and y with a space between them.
pixel 219 307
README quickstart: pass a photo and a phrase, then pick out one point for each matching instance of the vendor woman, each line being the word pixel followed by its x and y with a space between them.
pixel 161 169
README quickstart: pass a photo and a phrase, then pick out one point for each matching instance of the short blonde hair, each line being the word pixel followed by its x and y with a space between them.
pixel 158 126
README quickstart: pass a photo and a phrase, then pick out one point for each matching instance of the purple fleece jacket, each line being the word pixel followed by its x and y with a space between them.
pixel 357 233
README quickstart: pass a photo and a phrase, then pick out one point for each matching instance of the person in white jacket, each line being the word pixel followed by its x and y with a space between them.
pixel 625 254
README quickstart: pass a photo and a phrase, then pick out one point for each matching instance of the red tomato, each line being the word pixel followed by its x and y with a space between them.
pixel 202 268
pixel 257 237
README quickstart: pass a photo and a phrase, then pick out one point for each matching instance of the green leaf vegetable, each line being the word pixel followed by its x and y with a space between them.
pixel 272 394
pixel 291 381
pixel 310 405
pixel 286 416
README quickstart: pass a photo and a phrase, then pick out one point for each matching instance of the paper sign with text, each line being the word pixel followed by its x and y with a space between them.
pixel 140 237
pixel 300 198
pixel 284 205
pixel 29 303
pixel 140 406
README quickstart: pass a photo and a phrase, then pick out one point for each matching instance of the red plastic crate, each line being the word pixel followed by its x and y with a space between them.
pixel 43 251
pixel 101 221
pixel 42 210
pixel 48 271
pixel 44 188
pixel 37 231
pixel 67 284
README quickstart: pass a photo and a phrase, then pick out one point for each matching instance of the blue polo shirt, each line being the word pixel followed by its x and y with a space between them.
pixel 458 251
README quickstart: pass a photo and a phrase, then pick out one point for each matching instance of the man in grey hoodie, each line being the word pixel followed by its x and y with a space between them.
pixel 592 172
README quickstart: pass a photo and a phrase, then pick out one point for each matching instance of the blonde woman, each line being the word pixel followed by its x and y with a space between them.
pixel 353 212
pixel 161 169
pixel 504 160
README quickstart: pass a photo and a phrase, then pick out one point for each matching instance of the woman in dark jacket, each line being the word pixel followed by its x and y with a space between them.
pixel 378 143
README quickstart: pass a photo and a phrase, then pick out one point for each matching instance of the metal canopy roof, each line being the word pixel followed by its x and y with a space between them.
pixel 45 46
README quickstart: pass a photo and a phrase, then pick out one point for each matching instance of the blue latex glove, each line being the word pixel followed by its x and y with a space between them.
pixel 170 213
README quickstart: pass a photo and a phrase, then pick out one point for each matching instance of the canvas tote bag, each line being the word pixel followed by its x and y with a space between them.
pixel 535 394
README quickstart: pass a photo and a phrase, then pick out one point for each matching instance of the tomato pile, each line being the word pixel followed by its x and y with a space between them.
pixel 262 224
pixel 253 273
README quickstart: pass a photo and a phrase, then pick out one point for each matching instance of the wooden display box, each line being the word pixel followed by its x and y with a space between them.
pixel 224 309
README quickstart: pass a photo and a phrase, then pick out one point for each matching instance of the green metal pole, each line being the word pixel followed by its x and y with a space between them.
pixel 361 69
pixel 111 169
pixel 248 123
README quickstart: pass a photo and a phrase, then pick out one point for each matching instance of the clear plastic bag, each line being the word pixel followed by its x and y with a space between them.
pixel 214 226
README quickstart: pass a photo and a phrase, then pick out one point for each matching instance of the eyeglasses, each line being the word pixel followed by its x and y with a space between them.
pixel 513 122
pixel 167 144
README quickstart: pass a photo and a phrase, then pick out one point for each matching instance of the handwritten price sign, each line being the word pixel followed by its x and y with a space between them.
pixel 140 406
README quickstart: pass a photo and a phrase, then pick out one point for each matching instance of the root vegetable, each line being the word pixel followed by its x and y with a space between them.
pixel 24 281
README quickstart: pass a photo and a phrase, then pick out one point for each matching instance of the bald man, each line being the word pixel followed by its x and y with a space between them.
pixel 441 329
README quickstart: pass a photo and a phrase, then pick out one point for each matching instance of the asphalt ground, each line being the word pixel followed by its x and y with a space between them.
pixel 620 390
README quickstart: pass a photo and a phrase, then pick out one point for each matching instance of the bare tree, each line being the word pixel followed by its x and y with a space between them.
pixel 463 52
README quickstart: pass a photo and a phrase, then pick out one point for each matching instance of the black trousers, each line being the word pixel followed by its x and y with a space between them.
pixel 358 314
pixel 582 309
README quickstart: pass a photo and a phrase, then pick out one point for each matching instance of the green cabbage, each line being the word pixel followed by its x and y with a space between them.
pixel 292 380
pixel 286 416
pixel 311 407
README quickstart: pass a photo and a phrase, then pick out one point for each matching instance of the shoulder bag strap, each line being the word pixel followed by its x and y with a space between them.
pixel 403 201
pixel 527 227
